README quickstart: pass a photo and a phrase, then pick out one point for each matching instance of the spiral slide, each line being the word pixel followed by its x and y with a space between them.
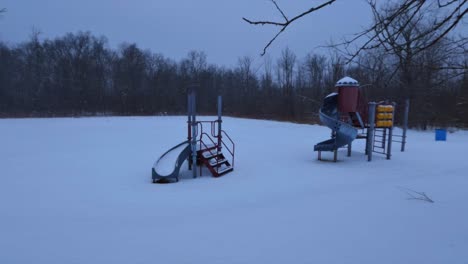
pixel 344 133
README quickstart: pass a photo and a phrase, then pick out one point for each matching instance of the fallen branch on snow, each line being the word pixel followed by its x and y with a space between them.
pixel 414 195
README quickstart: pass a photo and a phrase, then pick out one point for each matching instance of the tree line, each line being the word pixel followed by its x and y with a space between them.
pixel 79 74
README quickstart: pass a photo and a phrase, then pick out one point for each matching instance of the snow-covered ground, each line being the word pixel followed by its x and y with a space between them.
pixel 80 191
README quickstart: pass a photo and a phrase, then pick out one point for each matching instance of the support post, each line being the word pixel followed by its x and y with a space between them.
pixel 349 149
pixel 189 124
pixel 370 131
pixel 405 124
pixel 389 143
pixel 220 113
pixel 390 134
pixel 194 135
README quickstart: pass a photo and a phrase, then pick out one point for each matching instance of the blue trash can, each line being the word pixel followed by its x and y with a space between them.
pixel 440 134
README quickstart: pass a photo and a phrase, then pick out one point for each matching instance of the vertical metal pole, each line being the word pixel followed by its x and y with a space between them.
pixel 220 113
pixel 389 144
pixel 349 149
pixel 194 136
pixel 366 148
pixel 189 125
pixel 371 130
pixel 384 138
pixel 390 134
pixel 405 124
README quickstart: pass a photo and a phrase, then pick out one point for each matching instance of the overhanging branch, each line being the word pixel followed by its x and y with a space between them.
pixel 286 22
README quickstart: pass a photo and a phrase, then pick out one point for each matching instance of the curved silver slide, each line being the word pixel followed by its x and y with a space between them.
pixel 168 165
pixel 344 133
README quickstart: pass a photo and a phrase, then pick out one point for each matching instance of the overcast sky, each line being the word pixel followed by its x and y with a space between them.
pixel 174 27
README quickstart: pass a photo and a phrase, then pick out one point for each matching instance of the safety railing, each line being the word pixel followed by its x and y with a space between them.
pixel 231 151
pixel 229 144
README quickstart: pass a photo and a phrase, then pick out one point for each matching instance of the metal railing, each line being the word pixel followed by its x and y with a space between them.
pixel 200 134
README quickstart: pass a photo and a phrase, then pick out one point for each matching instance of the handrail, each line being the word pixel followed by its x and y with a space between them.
pixel 214 144
pixel 201 139
pixel 213 133
pixel 199 134
pixel 232 143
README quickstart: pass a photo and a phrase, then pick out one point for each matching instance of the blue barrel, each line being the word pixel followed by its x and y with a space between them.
pixel 440 134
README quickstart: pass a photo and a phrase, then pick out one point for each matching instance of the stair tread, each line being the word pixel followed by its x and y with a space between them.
pixel 218 162
pixel 225 169
pixel 210 155
pixel 207 149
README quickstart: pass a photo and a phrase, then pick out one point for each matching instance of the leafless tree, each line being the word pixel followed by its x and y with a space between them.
pixel 399 15
pixel 285 70
pixel 315 73
pixel 245 65
pixel 80 74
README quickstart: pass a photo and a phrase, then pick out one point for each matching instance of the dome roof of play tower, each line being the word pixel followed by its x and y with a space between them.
pixel 347 81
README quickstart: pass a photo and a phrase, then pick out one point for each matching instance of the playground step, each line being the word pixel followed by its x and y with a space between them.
pixel 212 154
pixel 216 162
pixel 223 170
pixel 208 149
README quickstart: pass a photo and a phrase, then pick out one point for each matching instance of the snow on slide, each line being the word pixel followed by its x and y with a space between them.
pixel 165 165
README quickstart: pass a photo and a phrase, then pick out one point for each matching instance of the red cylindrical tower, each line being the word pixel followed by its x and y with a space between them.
pixel 348 95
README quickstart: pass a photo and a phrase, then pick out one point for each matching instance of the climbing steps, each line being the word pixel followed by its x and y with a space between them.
pixel 215 161
pixel 380 138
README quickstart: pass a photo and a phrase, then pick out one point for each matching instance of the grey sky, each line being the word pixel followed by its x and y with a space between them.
pixel 174 27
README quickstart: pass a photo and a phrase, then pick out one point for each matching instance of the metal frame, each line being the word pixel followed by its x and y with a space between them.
pixel 196 134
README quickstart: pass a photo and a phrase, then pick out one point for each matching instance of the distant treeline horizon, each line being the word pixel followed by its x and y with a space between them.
pixel 78 74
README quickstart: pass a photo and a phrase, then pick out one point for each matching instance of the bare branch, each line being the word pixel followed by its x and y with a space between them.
pixel 287 21
pixel 450 28
pixel 446 4
pixel 281 11
pixel 414 195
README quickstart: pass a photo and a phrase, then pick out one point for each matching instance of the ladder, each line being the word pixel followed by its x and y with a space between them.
pixel 380 139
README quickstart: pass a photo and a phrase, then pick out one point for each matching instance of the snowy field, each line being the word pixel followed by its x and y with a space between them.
pixel 80 191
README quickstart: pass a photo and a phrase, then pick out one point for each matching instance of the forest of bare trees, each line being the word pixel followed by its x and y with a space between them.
pixel 408 55
pixel 78 74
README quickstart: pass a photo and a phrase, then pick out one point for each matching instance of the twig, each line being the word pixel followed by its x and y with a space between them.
pixel 414 195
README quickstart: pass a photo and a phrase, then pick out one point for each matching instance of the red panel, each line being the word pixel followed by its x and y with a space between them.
pixel 348 98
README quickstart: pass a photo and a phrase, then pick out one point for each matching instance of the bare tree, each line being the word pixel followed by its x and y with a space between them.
pixel 315 73
pixel 446 16
pixel 285 68
pixel 245 68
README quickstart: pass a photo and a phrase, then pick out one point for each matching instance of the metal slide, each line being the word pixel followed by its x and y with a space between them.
pixel 343 133
pixel 168 165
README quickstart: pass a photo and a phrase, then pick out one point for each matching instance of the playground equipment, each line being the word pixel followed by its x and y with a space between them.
pixel 200 148
pixel 350 117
